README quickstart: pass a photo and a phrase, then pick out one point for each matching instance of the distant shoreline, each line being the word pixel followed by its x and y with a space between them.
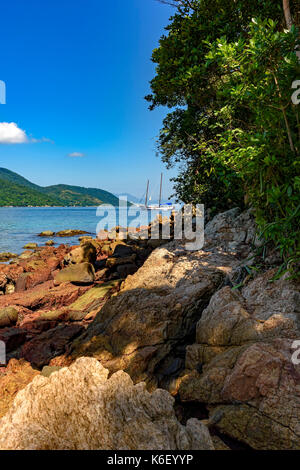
pixel 63 207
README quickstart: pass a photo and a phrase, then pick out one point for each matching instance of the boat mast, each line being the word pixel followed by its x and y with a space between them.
pixel 161 180
pixel 146 200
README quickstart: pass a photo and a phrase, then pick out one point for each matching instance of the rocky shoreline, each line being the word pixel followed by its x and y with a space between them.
pixel 142 315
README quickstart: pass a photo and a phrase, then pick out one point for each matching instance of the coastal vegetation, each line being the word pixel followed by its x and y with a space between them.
pixel 18 191
pixel 226 69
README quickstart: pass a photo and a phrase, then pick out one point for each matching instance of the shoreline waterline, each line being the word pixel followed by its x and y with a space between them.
pixel 21 225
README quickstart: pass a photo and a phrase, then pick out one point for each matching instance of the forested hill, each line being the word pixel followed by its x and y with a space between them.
pixel 18 191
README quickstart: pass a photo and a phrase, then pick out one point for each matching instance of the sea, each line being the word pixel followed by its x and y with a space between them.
pixel 21 225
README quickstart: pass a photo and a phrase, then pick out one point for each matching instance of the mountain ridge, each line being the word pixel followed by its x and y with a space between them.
pixel 15 190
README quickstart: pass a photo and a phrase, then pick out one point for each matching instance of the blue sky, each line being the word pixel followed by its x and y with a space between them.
pixel 76 73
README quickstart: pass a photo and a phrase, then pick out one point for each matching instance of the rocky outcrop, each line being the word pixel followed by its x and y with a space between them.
pixel 143 330
pixel 201 324
pixel 241 365
pixel 94 412
pixel 62 233
pixel 43 294
pixel 232 231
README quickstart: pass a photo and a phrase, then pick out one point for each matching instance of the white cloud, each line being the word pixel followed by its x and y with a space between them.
pixel 10 133
pixel 76 154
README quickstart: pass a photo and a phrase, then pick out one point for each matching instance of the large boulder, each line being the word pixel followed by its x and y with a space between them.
pixel 143 330
pixel 80 408
pixel 83 273
pixel 241 364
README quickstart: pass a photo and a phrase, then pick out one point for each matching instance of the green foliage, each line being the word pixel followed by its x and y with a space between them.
pixel 77 195
pixel 12 194
pixel 264 151
pixel 233 127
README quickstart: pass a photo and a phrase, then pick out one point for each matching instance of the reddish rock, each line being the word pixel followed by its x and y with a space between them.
pixel 40 350
pixel 13 378
pixel 11 271
pixel 3 281
pixel 44 296
pixel 31 279
pixel 33 325
pixel 12 337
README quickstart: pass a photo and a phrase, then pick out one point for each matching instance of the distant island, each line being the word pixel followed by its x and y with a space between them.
pixel 18 191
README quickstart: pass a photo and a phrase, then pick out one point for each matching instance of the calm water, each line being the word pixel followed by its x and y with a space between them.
pixel 20 225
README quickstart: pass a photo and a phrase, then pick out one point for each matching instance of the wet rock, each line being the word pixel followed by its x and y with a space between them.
pixel 70 233
pixel 46 233
pixel 49 243
pixel 99 413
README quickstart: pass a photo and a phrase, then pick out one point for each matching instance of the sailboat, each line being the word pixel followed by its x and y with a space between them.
pixel 162 207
